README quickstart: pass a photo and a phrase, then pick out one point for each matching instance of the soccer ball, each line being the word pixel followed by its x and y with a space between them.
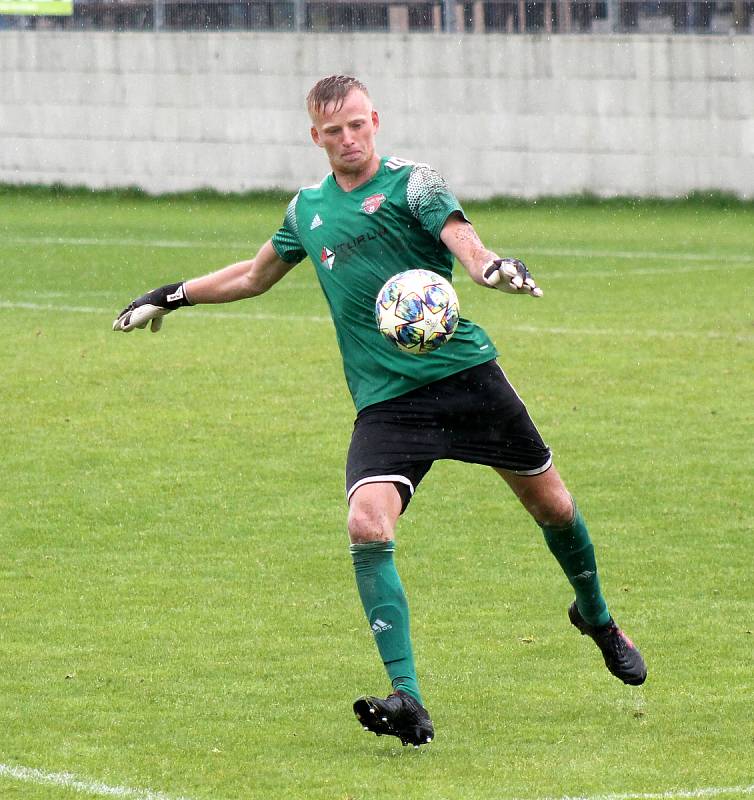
pixel 417 311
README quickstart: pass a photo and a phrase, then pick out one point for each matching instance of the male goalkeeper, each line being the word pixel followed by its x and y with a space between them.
pixel 369 218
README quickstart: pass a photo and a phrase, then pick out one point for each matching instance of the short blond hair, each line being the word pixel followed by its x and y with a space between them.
pixel 332 89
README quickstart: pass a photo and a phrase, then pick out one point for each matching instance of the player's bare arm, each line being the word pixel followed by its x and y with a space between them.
pixel 484 266
pixel 241 280
pixel 235 282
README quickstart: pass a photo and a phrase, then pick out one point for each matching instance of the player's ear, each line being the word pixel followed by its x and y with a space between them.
pixel 315 136
pixel 375 120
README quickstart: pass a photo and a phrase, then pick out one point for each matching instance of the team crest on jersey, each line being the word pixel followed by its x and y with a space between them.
pixel 327 258
pixel 371 204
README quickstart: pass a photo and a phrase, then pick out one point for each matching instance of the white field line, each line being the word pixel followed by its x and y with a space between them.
pixel 86 786
pixel 568 252
pixel 8 304
pixel 672 794
pixel 83 241
pixel 577 252
pixel 66 780
pixel 624 275
pixel 647 333
pixel 644 333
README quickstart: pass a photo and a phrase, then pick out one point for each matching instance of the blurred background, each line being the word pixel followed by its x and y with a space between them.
pixel 515 98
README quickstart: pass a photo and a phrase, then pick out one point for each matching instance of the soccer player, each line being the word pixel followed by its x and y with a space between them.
pixel 369 218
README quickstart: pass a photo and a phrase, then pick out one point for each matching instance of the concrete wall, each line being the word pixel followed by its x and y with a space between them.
pixel 496 114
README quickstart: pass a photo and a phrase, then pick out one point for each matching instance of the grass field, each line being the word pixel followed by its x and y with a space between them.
pixel 179 618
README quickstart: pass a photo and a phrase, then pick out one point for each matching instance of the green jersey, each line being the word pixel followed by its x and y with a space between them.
pixel 359 239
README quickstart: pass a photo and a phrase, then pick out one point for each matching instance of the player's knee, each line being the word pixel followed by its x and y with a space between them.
pixel 368 525
pixel 555 510
pixel 373 513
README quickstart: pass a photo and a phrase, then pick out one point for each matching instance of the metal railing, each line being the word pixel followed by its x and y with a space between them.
pixel 451 16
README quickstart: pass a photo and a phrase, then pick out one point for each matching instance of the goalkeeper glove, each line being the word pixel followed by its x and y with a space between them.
pixel 510 275
pixel 152 306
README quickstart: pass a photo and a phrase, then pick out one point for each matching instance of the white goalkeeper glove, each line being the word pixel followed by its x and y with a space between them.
pixel 510 275
pixel 151 307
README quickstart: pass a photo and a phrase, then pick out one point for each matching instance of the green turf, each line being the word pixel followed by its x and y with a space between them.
pixel 178 608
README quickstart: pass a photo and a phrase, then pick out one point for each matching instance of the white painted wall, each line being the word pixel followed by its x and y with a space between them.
pixel 521 115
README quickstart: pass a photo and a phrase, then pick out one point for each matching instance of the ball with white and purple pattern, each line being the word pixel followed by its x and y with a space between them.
pixel 417 311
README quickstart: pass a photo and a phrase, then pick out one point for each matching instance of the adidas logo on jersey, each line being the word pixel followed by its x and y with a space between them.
pixel 378 626
pixel 316 222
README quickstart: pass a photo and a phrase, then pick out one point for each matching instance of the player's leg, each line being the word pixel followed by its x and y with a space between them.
pixel 546 498
pixel 392 448
pixel 373 511
pixel 493 427
pixel 489 424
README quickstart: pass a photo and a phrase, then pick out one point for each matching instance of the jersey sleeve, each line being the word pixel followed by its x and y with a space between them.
pixel 430 199
pixel 286 241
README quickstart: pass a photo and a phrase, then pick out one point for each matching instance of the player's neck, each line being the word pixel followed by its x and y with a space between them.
pixel 348 181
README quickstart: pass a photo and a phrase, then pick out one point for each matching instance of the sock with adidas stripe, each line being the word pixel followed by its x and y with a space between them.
pixel 386 608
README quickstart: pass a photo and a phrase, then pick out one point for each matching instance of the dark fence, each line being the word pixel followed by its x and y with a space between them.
pixel 469 16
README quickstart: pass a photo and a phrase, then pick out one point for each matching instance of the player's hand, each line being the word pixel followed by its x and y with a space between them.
pixel 510 275
pixel 151 307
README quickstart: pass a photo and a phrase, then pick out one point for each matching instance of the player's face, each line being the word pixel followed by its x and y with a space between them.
pixel 347 135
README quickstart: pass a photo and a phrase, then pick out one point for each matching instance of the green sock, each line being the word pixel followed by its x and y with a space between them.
pixel 386 608
pixel 573 550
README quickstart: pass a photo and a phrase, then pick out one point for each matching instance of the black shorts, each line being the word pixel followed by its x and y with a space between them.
pixel 473 416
